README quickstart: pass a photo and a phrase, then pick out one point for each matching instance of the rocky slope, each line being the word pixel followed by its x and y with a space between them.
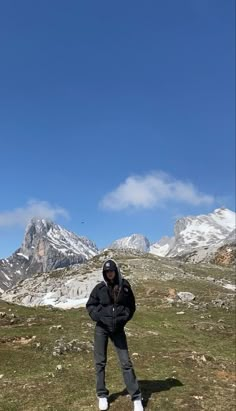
pixel 46 246
pixel 67 288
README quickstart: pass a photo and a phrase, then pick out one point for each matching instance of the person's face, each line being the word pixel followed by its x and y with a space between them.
pixel 110 275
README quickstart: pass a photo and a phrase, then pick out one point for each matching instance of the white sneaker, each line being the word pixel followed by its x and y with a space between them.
pixel 138 405
pixel 103 404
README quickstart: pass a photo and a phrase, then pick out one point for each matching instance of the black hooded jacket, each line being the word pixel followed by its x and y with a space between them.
pixel 111 305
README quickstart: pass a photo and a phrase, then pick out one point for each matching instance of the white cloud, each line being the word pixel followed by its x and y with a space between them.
pixel 151 191
pixel 34 208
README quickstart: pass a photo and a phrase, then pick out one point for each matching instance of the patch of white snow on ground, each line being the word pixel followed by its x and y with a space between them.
pixel 69 303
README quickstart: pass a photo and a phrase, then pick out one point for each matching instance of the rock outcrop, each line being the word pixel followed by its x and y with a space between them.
pixel 46 246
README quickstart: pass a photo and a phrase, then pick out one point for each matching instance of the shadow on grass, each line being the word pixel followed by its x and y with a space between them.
pixel 148 387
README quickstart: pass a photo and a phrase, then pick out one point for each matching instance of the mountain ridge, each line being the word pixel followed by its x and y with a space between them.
pixel 196 238
pixel 46 246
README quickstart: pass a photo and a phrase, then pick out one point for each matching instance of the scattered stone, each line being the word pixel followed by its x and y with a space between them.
pixel 61 346
pixel 1 376
pixel 59 367
pixel 203 358
pixel 210 279
pixel 166 325
pixel 153 332
pixel 180 312
pixel 2 314
pixel 172 293
pixel 170 300
pixel 151 291
pixel 185 296
pixel 57 327
pixel 218 303
pixel 30 319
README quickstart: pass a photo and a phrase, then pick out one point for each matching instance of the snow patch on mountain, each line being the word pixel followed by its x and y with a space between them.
pixel 162 247
pixel 202 231
pixel 135 241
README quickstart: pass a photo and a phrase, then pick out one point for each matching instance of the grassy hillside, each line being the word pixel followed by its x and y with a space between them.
pixel 183 361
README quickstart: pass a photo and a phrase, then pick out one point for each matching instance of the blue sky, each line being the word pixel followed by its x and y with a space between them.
pixel 119 115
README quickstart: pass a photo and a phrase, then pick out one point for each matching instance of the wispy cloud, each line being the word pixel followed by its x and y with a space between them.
pixel 21 216
pixel 153 190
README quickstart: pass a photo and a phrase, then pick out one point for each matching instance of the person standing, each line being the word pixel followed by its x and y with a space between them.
pixel 111 305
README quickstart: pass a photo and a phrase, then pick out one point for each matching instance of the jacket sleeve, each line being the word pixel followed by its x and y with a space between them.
pixel 93 305
pixel 132 305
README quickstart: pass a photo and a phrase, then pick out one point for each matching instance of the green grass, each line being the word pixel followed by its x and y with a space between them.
pixel 184 362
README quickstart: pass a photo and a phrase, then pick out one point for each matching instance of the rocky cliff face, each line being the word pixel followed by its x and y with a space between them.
pixel 226 253
pixel 46 246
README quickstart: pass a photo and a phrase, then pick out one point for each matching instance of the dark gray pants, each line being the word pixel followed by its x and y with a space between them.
pixel 100 356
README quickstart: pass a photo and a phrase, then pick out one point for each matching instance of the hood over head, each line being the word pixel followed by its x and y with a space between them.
pixel 113 266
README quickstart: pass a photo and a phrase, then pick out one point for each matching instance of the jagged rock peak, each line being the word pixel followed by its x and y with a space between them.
pixel 46 246
pixel 40 223
pixel 36 227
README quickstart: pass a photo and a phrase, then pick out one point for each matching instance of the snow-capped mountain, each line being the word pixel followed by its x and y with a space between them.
pixel 135 241
pixel 46 246
pixel 197 238
pixel 202 231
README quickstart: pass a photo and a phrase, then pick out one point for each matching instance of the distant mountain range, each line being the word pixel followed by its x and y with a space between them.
pixel 47 246
pixel 196 239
